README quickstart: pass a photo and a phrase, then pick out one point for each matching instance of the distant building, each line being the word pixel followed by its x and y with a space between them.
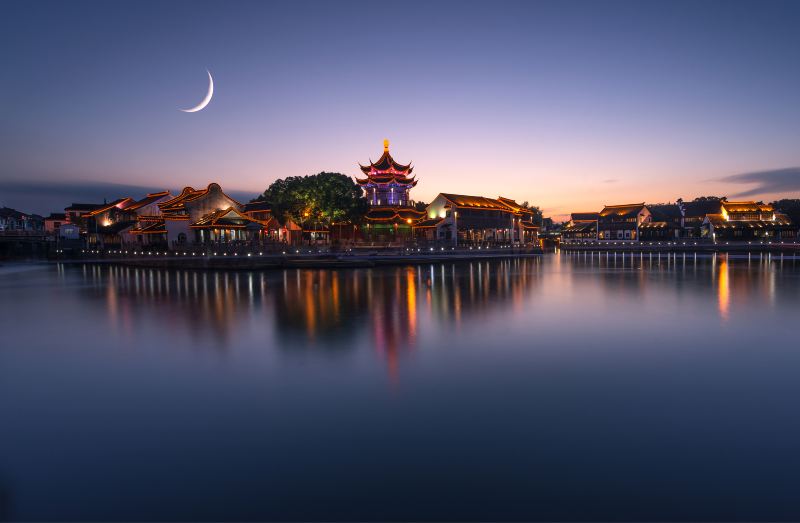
pixel 621 222
pixel 14 220
pixel 75 212
pixel 581 226
pixel 53 223
pixel 748 221
pixel 665 223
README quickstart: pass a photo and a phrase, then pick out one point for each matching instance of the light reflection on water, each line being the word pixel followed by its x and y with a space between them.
pixel 576 386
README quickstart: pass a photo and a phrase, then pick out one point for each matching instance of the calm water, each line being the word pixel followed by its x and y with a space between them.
pixel 567 387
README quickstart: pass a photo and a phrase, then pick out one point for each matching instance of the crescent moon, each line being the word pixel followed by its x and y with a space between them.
pixel 202 105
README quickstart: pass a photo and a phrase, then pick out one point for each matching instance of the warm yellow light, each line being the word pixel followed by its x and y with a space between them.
pixel 386 145
pixel 408 220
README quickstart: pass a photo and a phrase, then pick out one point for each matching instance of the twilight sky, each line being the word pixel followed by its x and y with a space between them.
pixel 570 105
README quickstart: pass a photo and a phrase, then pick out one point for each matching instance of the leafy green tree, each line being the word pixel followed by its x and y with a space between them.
pixel 316 200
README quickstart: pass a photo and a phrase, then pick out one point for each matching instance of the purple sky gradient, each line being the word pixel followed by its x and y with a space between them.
pixel 569 105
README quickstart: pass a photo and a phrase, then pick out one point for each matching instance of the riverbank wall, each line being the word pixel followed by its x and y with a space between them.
pixel 688 246
pixel 251 261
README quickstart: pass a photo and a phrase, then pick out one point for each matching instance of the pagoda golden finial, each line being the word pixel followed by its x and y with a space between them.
pixel 386 145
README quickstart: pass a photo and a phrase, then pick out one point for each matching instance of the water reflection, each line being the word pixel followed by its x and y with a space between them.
pixel 334 309
pixel 626 381
pixel 308 309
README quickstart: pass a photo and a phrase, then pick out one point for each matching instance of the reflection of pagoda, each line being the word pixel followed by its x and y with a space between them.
pixel 387 188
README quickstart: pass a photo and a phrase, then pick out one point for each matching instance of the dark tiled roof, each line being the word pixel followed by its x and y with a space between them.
pixel 746 207
pixel 431 222
pixel 147 200
pixel 666 212
pixel 627 210
pixel 257 206
pixel 8 212
pixel 585 226
pixel 584 216
pixel 83 206
pixel 700 208
pixel 476 202
pixel 115 228
pixel 119 203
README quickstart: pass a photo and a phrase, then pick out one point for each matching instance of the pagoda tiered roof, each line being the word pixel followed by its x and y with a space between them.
pixel 394 214
pixel 386 170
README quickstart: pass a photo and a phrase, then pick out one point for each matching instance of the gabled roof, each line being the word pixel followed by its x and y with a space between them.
pixel 581 226
pixel 584 216
pixel 699 209
pixel 185 193
pixel 120 203
pixel 513 205
pixel 475 202
pixel 147 200
pixel 83 207
pixel 226 218
pixel 621 211
pixel 257 206
pixel 8 212
pixel 665 212
pixel 155 227
pixel 56 216
pixel 116 228
pixel 431 222
pixel 746 207
pixel 189 194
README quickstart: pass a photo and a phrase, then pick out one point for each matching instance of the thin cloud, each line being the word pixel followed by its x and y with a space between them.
pixel 767 182
pixel 610 180
pixel 46 197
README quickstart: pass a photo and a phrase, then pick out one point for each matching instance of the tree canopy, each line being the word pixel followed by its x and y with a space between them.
pixel 319 199
pixel 789 207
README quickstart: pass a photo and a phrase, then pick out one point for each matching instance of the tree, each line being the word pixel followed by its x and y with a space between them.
pixel 711 199
pixel 789 207
pixel 537 212
pixel 316 200
pixel 420 206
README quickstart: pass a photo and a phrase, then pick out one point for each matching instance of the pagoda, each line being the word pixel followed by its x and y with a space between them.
pixel 387 186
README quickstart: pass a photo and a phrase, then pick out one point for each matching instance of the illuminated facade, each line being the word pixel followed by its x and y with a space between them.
pixel 581 226
pixel 461 219
pixel 387 187
pixel 739 221
pixel 707 219
pixel 621 222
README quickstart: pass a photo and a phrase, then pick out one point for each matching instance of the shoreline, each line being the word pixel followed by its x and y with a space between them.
pixel 294 261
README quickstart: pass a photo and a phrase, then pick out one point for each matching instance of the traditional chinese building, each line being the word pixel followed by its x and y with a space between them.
pixel 621 222
pixel 472 220
pixel 387 187
pixel 740 221
pixel 666 223
pixel 581 226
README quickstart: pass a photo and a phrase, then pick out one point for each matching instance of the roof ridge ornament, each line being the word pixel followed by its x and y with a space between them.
pixel 386 145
